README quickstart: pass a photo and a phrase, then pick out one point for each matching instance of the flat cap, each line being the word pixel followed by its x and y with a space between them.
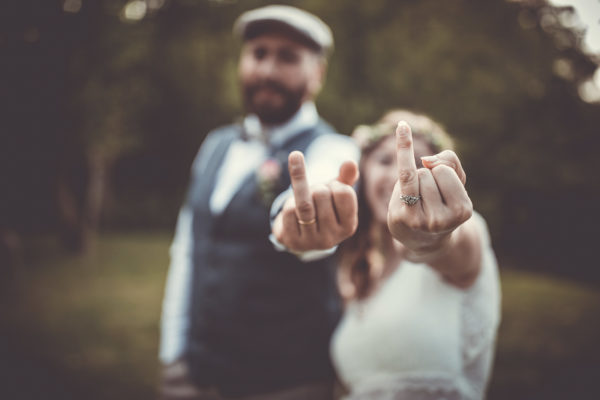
pixel 305 25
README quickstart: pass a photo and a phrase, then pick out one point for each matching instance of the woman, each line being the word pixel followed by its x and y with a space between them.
pixel 419 276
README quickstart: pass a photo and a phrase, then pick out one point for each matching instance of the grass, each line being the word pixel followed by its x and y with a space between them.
pixel 548 341
pixel 87 327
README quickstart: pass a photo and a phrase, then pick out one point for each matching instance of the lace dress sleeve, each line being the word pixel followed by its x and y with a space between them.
pixel 481 317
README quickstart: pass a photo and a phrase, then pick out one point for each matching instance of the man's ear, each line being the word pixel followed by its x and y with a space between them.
pixel 318 79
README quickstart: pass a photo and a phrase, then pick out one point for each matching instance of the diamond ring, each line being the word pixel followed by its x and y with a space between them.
pixel 410 200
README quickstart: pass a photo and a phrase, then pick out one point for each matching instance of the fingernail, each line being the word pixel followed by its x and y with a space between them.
pixel 403 127
pixel 430 159
pixel 295 158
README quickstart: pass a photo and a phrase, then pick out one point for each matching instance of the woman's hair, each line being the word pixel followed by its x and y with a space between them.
pixel 361 261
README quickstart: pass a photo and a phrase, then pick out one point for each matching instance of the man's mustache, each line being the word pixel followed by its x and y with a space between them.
pixel 272 85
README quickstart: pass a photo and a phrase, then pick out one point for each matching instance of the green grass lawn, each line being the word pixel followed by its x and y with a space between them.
pixel 549 339
pixel 87 327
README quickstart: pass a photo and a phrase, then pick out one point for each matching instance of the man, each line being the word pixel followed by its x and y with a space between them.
pixel 245 315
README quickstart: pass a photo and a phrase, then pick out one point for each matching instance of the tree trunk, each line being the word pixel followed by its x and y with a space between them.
pixel 71 219
pixel 80 217
pixel 95 199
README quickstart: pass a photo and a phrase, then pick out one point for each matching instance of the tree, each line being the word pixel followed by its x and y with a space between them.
pixel 130 100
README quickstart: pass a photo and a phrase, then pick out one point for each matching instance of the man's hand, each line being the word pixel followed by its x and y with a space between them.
pixel 441 203
pixel 320 216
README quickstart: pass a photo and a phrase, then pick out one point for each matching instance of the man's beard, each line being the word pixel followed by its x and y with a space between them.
pixel 271 114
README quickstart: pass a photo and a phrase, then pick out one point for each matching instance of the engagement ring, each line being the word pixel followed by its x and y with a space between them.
pixel 410 200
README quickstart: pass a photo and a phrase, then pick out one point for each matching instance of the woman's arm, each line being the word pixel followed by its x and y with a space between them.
pixel 430 213
pixel 458 258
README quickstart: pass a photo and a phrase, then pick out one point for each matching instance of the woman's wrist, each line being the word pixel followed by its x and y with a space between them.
pixel 429 251
pixel 459 261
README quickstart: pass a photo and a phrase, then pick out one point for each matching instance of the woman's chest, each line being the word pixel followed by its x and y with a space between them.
pixel 413 323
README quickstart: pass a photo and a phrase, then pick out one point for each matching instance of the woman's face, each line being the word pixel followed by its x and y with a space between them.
pixel 380 173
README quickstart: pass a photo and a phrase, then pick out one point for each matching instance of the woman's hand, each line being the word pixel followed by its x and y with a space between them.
pixel 427 204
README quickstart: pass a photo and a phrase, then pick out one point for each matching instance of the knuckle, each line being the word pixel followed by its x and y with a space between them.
pixel 449 154
pixel 443 168
pixel 406 175
pixel 327 242
pixel 456 207
pixel 344 191
pixel 343 230
pixel 404 140
pixel 301 245
pixel 392 215
pixel 320 192
pixel 344 200
pixel 314 243
pixel 435 225
pixel 346 220
pixel 460 215
pixel 463 210
pixel 279 236
pixel 423 173
pixel 417 224
pixel 287 212
pixel 352 225
pixel 291 243
pixel 304 207
pixel 297 172
pixel 467 211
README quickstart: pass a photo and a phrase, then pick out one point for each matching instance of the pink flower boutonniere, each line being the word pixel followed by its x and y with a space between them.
pixel 268 177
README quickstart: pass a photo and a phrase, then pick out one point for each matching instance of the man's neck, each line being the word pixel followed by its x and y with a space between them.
pixel 305 117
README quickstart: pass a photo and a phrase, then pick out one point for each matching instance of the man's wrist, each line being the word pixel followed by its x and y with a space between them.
pixel 305 256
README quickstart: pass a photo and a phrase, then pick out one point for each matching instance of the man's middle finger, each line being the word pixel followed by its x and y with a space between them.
pixel 305 210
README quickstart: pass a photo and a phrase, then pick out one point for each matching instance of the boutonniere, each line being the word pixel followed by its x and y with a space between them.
pixel 268 178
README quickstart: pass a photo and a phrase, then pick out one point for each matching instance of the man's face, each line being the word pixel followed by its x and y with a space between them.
pixel 277 76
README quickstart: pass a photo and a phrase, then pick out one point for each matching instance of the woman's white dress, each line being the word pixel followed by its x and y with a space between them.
pixel 419 338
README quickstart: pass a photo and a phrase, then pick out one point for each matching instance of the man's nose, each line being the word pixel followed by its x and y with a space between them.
pixel 267 67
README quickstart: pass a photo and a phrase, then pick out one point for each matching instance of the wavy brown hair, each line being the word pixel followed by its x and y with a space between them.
pixel 361 256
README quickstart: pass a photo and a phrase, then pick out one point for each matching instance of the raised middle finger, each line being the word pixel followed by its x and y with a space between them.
pixel 305 210
pixel 407 169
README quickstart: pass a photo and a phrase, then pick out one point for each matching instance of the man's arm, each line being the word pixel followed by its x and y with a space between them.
pixel 175 320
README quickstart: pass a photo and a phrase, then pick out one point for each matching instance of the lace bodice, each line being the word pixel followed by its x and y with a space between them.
pixel 420 338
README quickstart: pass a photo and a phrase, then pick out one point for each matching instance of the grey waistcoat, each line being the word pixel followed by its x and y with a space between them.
pixel 261 319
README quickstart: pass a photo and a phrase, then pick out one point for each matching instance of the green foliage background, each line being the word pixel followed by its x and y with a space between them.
pixel 142 96
pixel 91 88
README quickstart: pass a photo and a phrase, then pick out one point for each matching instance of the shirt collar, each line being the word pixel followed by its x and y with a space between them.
pixel 306 117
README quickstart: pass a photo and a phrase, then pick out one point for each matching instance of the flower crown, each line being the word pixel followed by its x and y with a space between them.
pixel 366 136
